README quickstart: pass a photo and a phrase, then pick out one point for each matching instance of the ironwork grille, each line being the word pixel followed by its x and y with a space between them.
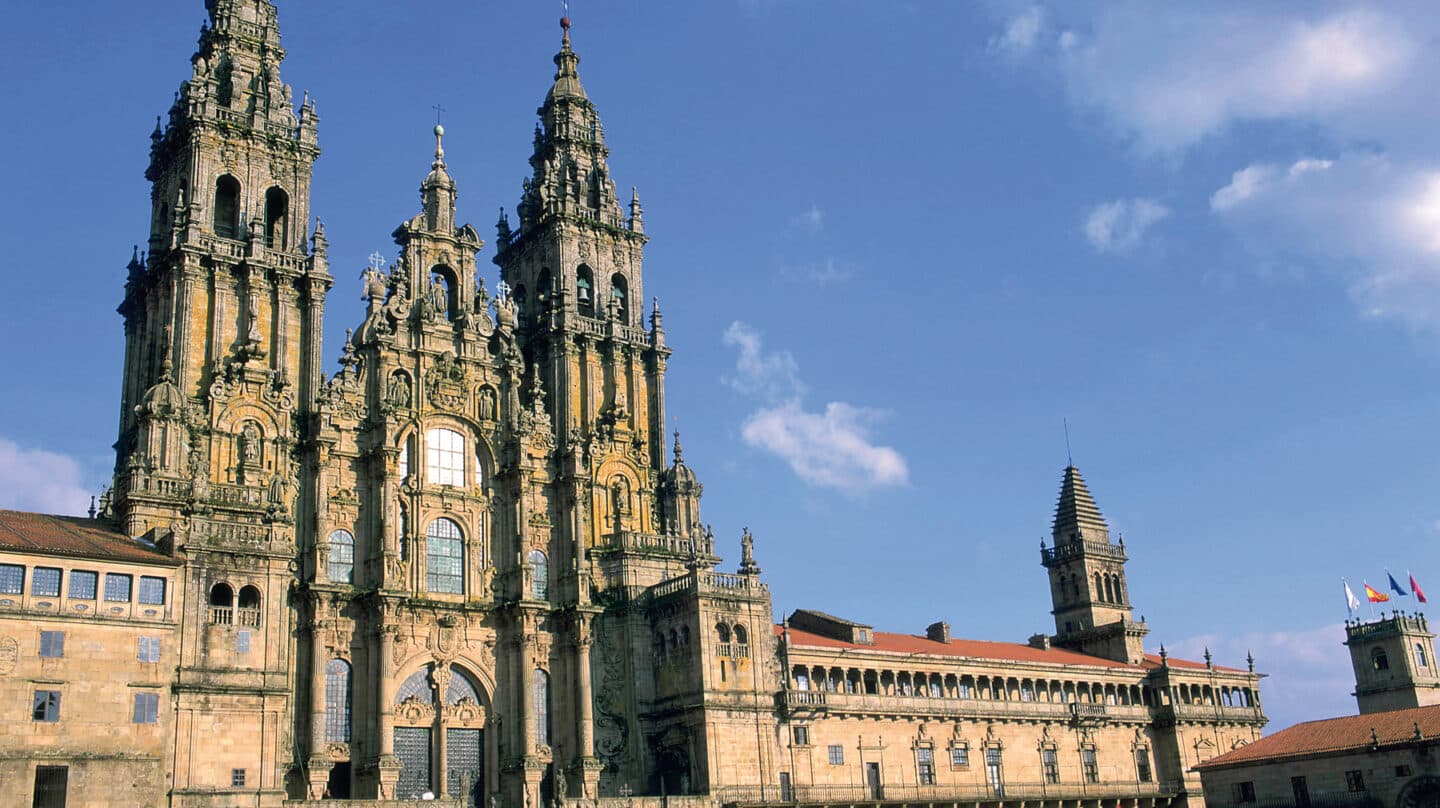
pixel 462 764
pixel 412 746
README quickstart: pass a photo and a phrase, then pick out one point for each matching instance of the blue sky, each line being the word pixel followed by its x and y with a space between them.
pixel 896 245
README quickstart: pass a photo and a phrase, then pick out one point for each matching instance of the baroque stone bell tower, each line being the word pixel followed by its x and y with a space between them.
pixel 1087 579
pixel 222 348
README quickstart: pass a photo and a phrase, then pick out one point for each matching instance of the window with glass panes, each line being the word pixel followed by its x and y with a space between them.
pixel 117 588
pixel 152 590
pixel 147 708
pixel 959 756
pixel 1087 762
pixel 45 706
pixel 837 754
pixel 444 558
pixel 540 685
pixel 1050 765
pixel 12 579
pixel 540 583
pixel 445 457
pixel 925 763
pixel 45 582
pixel 83 584
pixel 148 649
pixel 1142 764
pixel 52 644
pixel 337 701
pixel 341 564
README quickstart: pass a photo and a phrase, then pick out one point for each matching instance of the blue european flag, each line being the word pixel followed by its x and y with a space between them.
pixel 1395 585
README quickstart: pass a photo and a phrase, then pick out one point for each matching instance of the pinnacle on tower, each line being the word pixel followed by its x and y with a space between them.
pixel 1077 517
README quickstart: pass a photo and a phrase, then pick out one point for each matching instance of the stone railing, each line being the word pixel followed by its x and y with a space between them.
pixel 684 583
pixel 222 494
pixel 733 650
pixel 1210 712
pixel 1074 549
pixel 721 583
pixel 222 616
pixel 681 546
pixel 158 486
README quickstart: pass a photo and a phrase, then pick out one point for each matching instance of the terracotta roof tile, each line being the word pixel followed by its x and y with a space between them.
pixel 1333 735
pixel 974 649
pixel 73 536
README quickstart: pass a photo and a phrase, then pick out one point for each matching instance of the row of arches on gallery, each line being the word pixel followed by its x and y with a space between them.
pixel 1107 588
pixel 226 609
pixel 588 298
pixel 445 560
pixel 953 686
pixel 227 212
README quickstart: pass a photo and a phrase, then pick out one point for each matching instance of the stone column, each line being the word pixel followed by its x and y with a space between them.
pixel 588 764
pixel 318 764
pixel 387 766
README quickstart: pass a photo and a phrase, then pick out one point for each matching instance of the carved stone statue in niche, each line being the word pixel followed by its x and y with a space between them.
pixel 487 403
pixel 398 394
pixel 250 445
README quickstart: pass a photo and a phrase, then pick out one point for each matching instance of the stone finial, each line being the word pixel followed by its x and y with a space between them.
pixel 679 453
pixel 747 554
pixel 1164 656
pixel 1250 660
pixel 1208 662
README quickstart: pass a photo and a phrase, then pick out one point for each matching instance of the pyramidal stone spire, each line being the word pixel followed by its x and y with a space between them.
pixel 1077 517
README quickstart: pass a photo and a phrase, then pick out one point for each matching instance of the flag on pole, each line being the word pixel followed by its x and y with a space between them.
pixel 1351 602
pixel 1395 585
pixel 1373 596
pixel 1419 593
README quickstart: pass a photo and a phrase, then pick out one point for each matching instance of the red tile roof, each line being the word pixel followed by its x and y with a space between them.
pixel 1336 735
pixel 73 536
pixel 976 649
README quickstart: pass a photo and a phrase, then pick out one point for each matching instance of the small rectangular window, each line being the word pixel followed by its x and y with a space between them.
pixel 1088 763
pixel 51 785
pixel 1420 658
pixel 959 756
pixel 1355 779
pixel 83 584
pixel 45 582
pixel 1403 770
pixel 837 754
pixel 117 588
pixel 237 778
pixel 147 708
pixel 801 735
pixel 242 642
pixel 152 591
pixel 52 644
pixel 1142 764
pixel 12 579
pixel 149 649
pixel 1245 792
pixel 1050 765
pixel 46 706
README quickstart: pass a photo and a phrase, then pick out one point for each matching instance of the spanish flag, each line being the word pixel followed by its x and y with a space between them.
pixel 1375 597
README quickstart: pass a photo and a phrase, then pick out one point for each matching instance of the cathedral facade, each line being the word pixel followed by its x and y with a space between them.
pixel 469 563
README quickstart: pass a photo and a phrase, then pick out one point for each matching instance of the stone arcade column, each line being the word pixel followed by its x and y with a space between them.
pixel 387 766
pixel 588 765
pixel 319 764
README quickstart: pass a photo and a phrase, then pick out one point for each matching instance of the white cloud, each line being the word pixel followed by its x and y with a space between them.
pixel 1309 670
pixel 832 448
pixel 1120 226
pixel 811 220
pixel 1170 76
pixel 1021 32
pixel 1374 221
pixel 822 273
pixel 41 481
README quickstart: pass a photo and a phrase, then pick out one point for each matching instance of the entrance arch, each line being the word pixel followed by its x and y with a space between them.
pixel 440 717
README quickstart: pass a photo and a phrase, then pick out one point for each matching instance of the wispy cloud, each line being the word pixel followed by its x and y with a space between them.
pixel 820 273
pixel 1120 226
pixel 1373 220
pixel 1177 74
pixel 42 481
pixel 1309 669
pixel 1020 33
pixel 810 220
pixel 831 448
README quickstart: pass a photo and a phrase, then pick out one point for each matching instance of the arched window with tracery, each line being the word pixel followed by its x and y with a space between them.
pixel 340 566
pixel 444 558
pixel 338 686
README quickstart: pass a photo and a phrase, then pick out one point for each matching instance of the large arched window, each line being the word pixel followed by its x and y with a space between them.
pixel 540 685
pixel 620 291
pixel 248 611
pixel 585 290
pixel 227 207
pixel 338 684
pixel 222 602
pixel 340 568
pixel 277 218
pixel 540 583
pixel 445 457
pixel 444 558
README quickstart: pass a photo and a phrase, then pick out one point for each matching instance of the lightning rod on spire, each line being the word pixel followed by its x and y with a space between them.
pixel 1069 458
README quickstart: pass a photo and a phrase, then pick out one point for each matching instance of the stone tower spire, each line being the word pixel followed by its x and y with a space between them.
pixel 1087 578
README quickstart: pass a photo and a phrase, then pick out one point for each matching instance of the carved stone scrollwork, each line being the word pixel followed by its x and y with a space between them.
pixel 415 712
